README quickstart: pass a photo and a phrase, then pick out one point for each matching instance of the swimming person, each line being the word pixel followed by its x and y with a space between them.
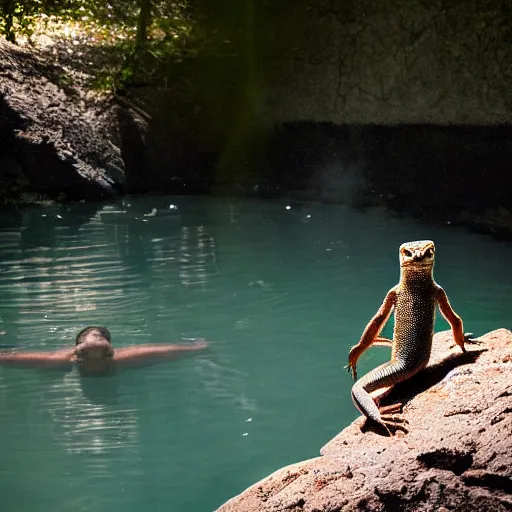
pixel 94 354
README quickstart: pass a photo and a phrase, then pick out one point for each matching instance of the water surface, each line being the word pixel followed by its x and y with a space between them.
pixel 282 291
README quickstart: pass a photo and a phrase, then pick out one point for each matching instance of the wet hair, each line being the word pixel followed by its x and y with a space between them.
pixel 80 337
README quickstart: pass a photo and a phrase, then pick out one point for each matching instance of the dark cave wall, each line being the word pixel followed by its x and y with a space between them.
pixel 364 62
pixel 427 169
pixel 388 62
pixel 361 61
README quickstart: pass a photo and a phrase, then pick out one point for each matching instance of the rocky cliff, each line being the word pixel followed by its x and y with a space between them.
pixel 457 454
pixel 55 139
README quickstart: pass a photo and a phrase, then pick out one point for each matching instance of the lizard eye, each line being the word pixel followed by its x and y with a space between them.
pixel 407 253
pixel 429 253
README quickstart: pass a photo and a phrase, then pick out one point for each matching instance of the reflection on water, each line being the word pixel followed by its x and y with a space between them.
pixel 87 415
pixel 226 383
pixel 282 290
pixel 95 269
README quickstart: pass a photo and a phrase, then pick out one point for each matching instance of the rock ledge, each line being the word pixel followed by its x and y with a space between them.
pixel 456 456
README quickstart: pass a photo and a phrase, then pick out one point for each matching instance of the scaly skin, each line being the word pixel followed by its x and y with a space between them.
pixel 414 301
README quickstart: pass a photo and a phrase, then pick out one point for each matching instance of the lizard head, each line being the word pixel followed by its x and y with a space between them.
pixel 417 254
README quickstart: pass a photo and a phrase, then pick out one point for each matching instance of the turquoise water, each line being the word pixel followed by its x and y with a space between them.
pixel 281 293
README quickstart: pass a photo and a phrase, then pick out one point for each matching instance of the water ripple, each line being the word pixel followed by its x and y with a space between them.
pixel 283 294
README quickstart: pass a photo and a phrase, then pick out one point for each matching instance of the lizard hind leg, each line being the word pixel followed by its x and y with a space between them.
pixel 391 409
pixel 385 375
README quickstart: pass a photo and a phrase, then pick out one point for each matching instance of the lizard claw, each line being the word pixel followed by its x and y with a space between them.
pixel 390 426
pixel 387 418
pixel 351 370
pixel 469 338
pixel 353 356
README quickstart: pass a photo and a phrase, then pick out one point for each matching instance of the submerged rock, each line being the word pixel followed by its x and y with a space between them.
pixel 457 454
pixel 55 139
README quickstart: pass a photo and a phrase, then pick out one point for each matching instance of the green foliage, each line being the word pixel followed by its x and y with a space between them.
pixel 141 35
pixel 20 17
pixel 163 30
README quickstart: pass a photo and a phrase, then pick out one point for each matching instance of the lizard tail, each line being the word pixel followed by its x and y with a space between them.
pixel 387 374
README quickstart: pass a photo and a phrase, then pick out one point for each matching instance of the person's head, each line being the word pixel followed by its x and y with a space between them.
pixel 94 342
pixel 83 335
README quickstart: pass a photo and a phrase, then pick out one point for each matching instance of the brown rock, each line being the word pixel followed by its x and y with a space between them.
pixel 457 454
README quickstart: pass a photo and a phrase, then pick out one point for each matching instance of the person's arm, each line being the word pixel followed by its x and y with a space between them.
pixel 56 359
pixel 141 355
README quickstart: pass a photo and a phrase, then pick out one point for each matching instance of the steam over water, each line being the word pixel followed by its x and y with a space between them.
pixel 281 290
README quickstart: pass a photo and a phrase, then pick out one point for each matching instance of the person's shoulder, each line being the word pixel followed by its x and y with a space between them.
pixel 64 351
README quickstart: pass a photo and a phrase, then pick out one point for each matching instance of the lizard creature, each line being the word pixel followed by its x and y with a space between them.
pixel 414 301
